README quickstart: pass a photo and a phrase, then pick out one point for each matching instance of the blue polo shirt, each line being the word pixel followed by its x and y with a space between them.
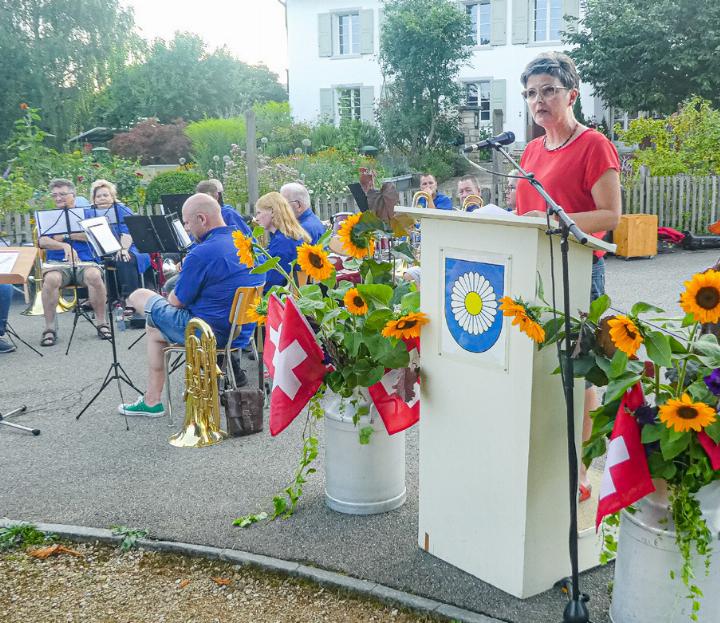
pixel 312 225
pixel 286 249
pixel 143 259
pixel 209 277
pixel 82 248
pixel 442 202
pixel 235 220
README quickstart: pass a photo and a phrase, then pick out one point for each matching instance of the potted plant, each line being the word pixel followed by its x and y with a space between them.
pixel 368 329
pixel 667 405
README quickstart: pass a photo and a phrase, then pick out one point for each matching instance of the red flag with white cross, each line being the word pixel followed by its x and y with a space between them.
pixel 272 332
pixel 626 478
pixel 298 368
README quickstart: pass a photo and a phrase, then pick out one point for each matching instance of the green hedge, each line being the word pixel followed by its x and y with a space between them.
pixel 172 183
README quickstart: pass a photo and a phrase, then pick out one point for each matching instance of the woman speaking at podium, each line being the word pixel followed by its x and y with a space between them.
pixel 579 168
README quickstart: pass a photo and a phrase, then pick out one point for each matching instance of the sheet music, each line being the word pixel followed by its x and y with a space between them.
pixel 182 235
pixel 108 213
pixel 52 222
pixel 100 236
pixel 7 261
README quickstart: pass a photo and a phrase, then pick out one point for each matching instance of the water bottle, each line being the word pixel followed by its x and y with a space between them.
pixel 119 315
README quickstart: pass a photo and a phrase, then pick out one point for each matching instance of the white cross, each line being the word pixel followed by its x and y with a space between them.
pixel 617 453
pixel 285 362
pixel 389 380
pixel 275 339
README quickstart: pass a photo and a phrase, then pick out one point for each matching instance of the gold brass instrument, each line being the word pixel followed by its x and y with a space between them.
pixel 423 194
pixel 472 200
pixel 35 308
pixel 202 398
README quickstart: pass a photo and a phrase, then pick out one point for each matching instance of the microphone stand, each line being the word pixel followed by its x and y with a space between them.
pixel 576 610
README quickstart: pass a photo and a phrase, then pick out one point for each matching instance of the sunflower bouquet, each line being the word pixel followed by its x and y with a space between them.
pixel 676 363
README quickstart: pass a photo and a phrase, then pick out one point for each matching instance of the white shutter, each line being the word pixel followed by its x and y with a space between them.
pixel 324 34
pixel 367 104
pixel 520 21
pixel 497 97
pixel 327 105
pixel 367 33
pixel 572 9
pixel 498 21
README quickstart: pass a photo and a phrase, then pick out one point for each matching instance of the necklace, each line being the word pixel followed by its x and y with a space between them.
pixel 565 142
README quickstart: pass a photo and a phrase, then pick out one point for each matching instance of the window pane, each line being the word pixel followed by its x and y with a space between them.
pixel 541 10
pixel 484 100
pixel 484 24
pixel 472 11
pixel 556 15
pixel 471 94
pixel 355 33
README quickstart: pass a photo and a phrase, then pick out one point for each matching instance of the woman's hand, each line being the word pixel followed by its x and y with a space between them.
pixel 123 255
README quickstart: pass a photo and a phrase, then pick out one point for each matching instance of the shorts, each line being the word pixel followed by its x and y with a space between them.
pixel 170 321
pixel 66 270
pixel 597 286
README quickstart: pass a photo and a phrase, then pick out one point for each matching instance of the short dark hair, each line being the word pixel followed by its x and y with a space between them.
pixel 428 174
pixel 207 187
pixel 556 64
pixel 470 178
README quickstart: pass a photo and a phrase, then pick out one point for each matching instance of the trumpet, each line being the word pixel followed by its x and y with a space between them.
pixel 202 397
pixel 472 200
pixel 422 199
pixel 35 308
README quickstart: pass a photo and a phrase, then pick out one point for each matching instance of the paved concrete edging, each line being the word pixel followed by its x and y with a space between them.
pixel 366 588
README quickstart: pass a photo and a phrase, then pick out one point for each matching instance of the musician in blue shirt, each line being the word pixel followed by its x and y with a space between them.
pixel 205 289
pixel 298 198
pixel 70 261
pixel 283 231
pixel 429 184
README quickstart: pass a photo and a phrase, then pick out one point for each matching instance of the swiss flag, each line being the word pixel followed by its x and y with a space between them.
pixel 272 332
pixel 396 414
pixel 711 448
pixel 298 368
pixel 626 478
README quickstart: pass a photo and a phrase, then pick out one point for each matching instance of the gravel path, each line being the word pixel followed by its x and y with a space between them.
pixel 104 585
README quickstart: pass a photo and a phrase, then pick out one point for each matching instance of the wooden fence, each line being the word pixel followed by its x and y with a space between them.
pixel 15 227
pixel 682 202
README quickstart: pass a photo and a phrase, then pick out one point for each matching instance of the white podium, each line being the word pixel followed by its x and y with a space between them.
pixel 493 435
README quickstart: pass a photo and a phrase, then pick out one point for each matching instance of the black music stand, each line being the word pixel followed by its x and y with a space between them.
pixel 105 245
pixel 63 224
pixel 172 204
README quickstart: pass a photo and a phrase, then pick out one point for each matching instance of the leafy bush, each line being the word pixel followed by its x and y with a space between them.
pixel 686 142
pixel 325 135
pixel 441 163
pixel 151 142
pixel 212 139
pixel 172 183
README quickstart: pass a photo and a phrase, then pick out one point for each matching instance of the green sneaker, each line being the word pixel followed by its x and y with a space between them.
pixel 139 408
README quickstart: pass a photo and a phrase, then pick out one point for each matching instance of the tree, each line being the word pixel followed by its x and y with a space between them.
pixel 179 79
pixel 55 54
pixel 151 142
pixel 422 47
pixel 649 54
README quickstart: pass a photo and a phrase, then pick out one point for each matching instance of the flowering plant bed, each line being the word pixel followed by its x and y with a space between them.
pixel 661 380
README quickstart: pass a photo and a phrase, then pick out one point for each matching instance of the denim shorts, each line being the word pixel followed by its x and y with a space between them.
pixel 170 321
pixel 597 283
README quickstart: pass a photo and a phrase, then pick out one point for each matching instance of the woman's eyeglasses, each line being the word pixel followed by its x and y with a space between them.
pixel 545 92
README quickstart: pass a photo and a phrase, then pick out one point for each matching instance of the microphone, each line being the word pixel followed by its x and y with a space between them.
pixel 506 138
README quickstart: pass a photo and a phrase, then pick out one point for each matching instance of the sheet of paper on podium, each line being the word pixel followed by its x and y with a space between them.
pixel 16 264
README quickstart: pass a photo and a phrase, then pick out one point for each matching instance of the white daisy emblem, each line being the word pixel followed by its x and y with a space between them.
pixel 473 303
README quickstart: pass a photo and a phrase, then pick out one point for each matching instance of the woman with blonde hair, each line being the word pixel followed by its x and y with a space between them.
pixel 129 262
pixel 283 233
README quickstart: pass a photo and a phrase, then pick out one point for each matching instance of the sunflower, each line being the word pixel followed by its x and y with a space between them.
pixel 406 326
pixel 625 335
pixel 684 415
pixel 702 296
pixel 255 313
pixel 522 318
pixel 354 302
pixel 243 244
pixel 314 261
pixel 345 234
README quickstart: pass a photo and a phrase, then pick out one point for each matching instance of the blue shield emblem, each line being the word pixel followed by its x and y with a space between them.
pixel 472 294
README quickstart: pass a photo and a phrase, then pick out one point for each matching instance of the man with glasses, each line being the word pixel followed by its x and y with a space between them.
pixel 70 261
pixel 299 199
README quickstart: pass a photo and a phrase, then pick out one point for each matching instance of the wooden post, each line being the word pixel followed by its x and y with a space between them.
pixel 251 158
pixel 497 183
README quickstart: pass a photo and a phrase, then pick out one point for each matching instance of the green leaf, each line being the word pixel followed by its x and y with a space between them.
pixel 688 320
pixel 672 443
pixel 404 252
pixel 308 306
pixel 713 431
pixel 618 364
pixel 258 232
pixel 641 308
pixel 266 266
pixel 617 387
pixel 410 302
pixel 377 319
pixel 651 432
pixel 699 392
pixel 598 307
pixel 379 294
pixel 658 348
pixel 398 357
pixel 312 291
pixel 365 434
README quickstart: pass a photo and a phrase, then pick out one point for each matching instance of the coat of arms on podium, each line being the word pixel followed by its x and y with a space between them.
pixel 473 289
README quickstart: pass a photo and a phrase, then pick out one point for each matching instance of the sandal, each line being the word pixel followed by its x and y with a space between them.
pixel 48 338
pixel 103 331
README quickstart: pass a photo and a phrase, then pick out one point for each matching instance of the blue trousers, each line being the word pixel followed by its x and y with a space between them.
pixel 6 294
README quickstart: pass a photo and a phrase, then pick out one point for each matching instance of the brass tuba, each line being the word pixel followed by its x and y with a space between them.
pixel 202 398
pixel 472 200
pixel 35 308
pixel 422 194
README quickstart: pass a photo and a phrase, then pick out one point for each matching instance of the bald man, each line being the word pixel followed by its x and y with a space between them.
pixel 210 275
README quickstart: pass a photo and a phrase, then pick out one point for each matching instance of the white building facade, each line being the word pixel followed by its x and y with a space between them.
pixel 334 71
